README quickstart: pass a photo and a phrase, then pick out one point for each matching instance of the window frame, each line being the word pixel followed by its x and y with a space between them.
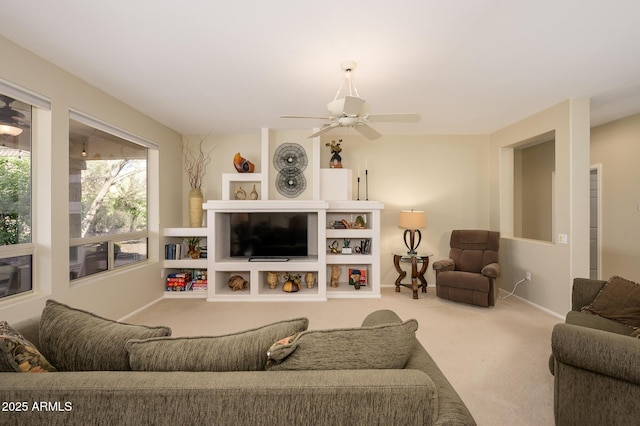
pixel 38 104
pixel 112 239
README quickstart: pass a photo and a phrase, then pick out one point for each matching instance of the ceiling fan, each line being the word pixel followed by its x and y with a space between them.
pixel 352 111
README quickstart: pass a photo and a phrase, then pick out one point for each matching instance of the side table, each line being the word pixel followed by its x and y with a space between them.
pixel 416 275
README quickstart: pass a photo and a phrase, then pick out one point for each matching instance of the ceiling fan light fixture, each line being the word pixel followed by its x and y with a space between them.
pixel 9 118
pixel 9 129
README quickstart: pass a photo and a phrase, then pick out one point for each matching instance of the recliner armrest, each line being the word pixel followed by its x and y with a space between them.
pixel 444 265
pixel 598 351
pixel 491 270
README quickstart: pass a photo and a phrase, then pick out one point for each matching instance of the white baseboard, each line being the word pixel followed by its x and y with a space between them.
pixel 542 308
pixel 142 308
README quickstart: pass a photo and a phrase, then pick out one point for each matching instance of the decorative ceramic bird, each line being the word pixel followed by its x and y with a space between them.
pixel 242 165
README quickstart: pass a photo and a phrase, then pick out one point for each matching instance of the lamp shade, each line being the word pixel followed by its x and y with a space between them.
pixel 412 219
pixel 11 130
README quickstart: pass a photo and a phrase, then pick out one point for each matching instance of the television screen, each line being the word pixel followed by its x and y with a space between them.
pixel 277 234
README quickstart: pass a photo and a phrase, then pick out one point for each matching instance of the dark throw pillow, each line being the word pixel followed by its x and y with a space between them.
pixel 17 354
pixel 243 351
pixel 76 340
pixel 377 347
pixel 619 300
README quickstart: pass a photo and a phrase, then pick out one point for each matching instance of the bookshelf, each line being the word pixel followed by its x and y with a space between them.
pixel 176 237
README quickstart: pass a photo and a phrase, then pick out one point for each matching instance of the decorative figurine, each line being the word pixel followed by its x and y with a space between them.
pixel 336 160
pixel 292 283
pixel 242 165
pixel 354 279
pixel 335 275
pixel 236 282
pixel 310 279
pixel 240 194
pixel 254 193
pixel 272 279
pixel 333 248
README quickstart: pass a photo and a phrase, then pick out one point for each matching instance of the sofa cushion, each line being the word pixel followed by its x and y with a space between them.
pixel 585 319
pixel 17 354
pixel 382 346
pixel 76 340
pixel 619 300
pixel 243 351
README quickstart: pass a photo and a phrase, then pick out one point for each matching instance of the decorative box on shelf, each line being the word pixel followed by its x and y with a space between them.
pixel 336 184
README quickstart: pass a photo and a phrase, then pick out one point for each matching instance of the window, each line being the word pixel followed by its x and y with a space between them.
pixel 16 248
pixel 107 197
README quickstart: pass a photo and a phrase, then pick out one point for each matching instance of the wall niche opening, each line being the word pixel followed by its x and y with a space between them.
pixel 534 175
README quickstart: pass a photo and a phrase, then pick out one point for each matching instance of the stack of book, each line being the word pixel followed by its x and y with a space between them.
pixel 179 281
pixel 199 282
pixel 337 224
pixel 173 251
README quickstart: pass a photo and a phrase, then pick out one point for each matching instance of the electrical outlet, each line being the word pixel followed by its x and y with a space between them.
pixel 528 276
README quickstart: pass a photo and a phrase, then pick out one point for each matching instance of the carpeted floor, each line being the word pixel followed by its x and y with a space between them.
pixel 496 358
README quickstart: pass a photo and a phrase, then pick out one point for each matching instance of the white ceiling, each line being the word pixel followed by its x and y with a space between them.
pixel 468 66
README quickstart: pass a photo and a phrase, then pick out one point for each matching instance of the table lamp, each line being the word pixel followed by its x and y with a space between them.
pixel 410 221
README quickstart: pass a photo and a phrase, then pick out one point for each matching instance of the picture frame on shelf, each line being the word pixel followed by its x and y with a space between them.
pixel 357 277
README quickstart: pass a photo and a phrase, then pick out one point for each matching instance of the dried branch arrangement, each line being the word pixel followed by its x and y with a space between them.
pixel 196 161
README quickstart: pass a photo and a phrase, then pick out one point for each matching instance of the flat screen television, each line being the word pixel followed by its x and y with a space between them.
pixel 269 234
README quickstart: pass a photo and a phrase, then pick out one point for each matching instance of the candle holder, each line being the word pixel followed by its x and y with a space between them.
pixel 358 188
pixel 366 185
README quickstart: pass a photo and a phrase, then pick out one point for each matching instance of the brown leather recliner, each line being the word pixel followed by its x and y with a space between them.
pixel 468 275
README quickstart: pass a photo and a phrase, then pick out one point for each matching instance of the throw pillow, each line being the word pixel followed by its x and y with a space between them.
pixel 17 354
pixel 619 300
pixel 76 340
pixel 377 347
pixel 243 351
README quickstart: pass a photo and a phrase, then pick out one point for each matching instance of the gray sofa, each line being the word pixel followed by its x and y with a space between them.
pixel 418 394
pixel 596 365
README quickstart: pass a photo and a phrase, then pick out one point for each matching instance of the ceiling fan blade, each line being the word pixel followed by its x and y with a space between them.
pixel 353 106
pixel 394 118
pixel 324 130
pixel 367 131
pixel 306 116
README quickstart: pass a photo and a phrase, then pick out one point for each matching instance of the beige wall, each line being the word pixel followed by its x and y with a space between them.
pixel 552 265
pixel 116 294
pixel 446 176
pixel 616 148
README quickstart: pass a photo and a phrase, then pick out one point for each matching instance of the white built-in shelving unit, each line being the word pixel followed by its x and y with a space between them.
pixel 321 214
pixel 177 236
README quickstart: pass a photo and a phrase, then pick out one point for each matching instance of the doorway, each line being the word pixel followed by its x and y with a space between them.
pixel 595 239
